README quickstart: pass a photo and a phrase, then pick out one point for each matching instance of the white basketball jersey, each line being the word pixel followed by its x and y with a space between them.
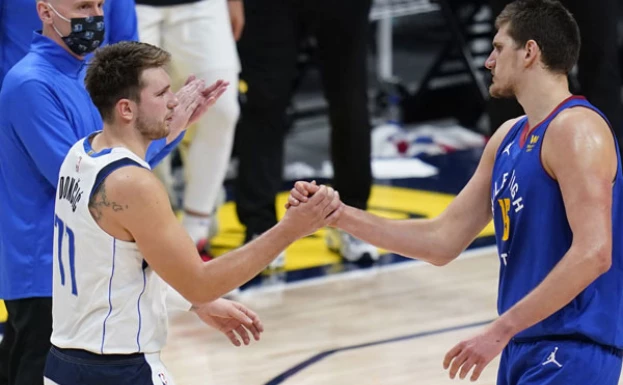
pixel 106 299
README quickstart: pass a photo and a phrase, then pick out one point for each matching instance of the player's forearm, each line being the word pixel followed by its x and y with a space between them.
pixel 578 269
pixel 239 266
pixel 416 238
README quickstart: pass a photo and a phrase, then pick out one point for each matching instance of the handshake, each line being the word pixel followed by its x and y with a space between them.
pixel 311 207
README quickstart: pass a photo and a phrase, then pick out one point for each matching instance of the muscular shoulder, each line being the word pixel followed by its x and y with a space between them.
pixel 579 123
pixel 575 136
pixel 129 189
pixel 130 182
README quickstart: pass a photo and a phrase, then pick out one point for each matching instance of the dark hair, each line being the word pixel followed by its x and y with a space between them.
pixel 550 25
pixel 115 73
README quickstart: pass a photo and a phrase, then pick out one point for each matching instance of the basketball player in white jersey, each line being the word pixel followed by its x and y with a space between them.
pixel 118 243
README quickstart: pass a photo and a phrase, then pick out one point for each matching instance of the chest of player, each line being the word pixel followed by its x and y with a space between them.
pixel 517 183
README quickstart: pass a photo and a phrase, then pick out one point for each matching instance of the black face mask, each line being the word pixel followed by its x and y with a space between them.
pixel 87 33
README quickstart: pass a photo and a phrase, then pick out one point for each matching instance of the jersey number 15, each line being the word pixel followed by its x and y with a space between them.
pixel 505 207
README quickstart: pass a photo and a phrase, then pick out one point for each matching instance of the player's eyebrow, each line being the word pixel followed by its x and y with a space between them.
pixel 165 89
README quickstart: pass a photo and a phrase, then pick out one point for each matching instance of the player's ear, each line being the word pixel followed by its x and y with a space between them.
pixel 126 109
pixel 532 52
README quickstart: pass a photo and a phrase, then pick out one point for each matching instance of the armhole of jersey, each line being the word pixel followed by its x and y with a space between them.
pixel 103 173
pixel 614 136
pixel 510 132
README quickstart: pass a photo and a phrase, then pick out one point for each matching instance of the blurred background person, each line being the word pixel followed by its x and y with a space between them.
pixel 268 51
pixel 201 37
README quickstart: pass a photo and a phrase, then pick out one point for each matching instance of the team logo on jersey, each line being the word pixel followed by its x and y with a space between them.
pixel 551 359
pixel 533 141
pixel 78 164
pixel 162 377
pixel 507 149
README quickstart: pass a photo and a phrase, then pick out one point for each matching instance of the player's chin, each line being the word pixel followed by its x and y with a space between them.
pixel 160 133
pixel 498 92
pixel 493 90
pixel 165 131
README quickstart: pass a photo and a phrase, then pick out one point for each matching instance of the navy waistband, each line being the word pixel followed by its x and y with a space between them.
pixel 83 356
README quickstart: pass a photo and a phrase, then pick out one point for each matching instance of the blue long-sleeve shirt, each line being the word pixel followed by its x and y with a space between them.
pixel 19 19
pixel 44 110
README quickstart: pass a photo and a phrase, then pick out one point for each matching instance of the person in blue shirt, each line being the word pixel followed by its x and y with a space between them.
pixel 44 110
pixel 552 182
pixel 19 19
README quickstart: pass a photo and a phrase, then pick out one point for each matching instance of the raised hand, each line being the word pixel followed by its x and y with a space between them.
pixel 228 317
pixel 189 98
pixel 209 96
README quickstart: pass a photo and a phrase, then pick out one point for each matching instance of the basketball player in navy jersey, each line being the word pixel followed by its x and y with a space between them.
pixel 551 181
pixel 117 241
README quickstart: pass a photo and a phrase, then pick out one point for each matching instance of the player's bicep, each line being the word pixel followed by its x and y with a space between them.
pixel 159 236
pixel 470 211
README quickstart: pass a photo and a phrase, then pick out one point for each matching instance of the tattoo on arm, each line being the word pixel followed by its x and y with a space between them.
pixel 99 202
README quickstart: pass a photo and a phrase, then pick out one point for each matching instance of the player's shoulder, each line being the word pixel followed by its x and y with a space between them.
pixel 133 183
pixel 131 177
pixel 498 136
pixel 577 118
pixel 505 128
pixel 581 139
pixel 578 121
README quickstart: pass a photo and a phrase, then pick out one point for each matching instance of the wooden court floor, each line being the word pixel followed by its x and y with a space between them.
pixel 387 326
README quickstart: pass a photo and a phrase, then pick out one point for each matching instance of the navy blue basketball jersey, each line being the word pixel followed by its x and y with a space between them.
pixel 533 234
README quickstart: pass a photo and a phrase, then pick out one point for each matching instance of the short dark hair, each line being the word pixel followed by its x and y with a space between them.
pixel 550 25
pixel 115 73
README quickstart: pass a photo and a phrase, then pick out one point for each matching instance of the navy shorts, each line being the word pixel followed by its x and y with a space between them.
pixel 559 362
pixel 79 367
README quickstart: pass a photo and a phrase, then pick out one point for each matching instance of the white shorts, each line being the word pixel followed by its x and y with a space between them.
pixel 198 35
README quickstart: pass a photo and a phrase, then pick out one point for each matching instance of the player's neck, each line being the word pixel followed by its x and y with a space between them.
pixel 539 97
pixel 113 136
